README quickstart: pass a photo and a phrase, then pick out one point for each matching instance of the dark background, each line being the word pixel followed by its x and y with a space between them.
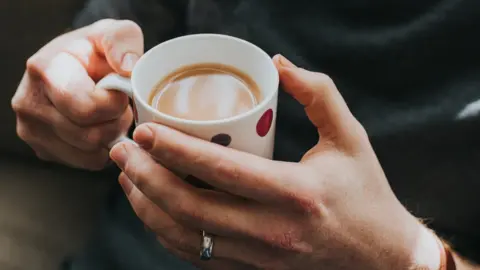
pixel 25 26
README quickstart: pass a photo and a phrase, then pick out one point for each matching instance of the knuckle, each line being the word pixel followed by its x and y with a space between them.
pixel 17 105
pixel 139 172
pixel 24 96
pixel 130 170
pixel 24 106
pixel 177 238
pixel 305 203
pixel 288 241
pixel 24 132
pixel 359 135
pixel 37 64
pixel 34 63
pixel 324 85
pixel 81 113
pixel 123 30
pixel 92 137
pixel 197 216
pixel 130 27
pixel 304 199
pixel 185 211
pixel 360 130
pixel 180 211
pixel 112 131
pixel 172 154
pixel 225 169
pixel 324 79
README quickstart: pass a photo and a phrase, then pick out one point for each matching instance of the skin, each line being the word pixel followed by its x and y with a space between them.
pixel 334 209
pixel 329 209
pixel 60 113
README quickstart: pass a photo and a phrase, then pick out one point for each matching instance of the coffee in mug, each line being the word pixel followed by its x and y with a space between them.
pixel 158 75
pixel 205 91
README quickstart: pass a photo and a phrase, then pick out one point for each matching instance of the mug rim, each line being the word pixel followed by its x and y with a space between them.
pixel 260 106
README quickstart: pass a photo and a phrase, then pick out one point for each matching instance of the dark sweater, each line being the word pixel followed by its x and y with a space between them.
pixel 407 68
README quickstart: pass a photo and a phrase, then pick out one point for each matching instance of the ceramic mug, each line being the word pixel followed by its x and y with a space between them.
pixel 252 131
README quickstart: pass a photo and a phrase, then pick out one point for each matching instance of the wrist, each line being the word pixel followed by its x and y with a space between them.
pixel 407 244
pixel 428 252
pixel 417 246
pixel 431 253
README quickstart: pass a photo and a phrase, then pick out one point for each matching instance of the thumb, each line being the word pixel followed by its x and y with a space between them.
pixel 121 42
pixel 324 105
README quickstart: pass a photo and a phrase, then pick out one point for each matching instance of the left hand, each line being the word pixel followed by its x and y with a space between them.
pixel 332 210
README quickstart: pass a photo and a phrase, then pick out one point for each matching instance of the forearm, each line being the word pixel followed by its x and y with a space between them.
pixel 159 20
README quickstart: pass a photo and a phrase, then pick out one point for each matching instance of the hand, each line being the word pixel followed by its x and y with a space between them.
pixel 332 210
pixel 60 113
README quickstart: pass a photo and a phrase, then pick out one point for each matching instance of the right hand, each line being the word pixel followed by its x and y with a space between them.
pixel 60 113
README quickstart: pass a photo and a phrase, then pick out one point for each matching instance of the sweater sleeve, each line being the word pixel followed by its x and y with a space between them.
pixel 159 19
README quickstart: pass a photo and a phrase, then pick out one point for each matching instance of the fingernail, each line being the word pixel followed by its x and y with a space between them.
pixel 285 62
pixel 143 135
pixel 129 61
pixel 119 155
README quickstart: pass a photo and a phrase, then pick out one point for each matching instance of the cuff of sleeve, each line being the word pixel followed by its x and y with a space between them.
pixel 447 261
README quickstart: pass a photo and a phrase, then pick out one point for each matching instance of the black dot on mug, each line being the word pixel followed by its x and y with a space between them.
pixel 222 139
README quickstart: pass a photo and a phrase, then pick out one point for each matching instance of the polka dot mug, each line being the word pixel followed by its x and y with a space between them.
pixel 252 131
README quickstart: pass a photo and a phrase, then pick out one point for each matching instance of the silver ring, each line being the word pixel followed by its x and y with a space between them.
pixel 206 248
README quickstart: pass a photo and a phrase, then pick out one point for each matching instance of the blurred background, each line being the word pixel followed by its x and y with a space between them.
pixel 48 211
pixel 40 223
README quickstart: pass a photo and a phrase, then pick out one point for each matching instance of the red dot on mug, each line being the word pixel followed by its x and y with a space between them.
pixel 222 139
pixel 265 123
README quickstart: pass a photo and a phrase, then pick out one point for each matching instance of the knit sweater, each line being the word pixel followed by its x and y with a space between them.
pixel 408 69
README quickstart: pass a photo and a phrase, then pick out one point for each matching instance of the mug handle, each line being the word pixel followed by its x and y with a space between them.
pixel 122 84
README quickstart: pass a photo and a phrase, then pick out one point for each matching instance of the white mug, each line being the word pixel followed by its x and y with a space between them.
pixel 252 131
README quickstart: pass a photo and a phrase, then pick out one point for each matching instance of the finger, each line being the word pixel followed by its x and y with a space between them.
pixel 247 253
pixel 78 45
pixel 84 138
pixel 43 154
pixel 156 220
pixel 218 213
pixel 66 83
pixel 94 62
pixel 121 42
pixel 226 169
pixel 91 138
pixel 214 264
pixel 35 134
pixel 187 240
pixel 323 103
pixel 92 161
